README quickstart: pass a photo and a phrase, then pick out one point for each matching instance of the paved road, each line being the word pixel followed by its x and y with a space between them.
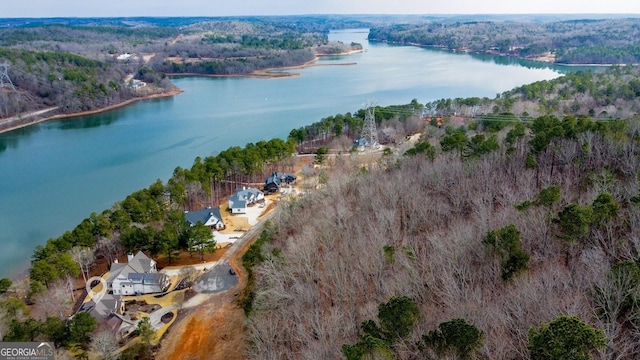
pixel 218 278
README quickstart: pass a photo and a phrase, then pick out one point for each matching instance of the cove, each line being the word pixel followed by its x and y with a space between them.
pixel 54 174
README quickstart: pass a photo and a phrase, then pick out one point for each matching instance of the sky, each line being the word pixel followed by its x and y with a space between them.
pixel 124 8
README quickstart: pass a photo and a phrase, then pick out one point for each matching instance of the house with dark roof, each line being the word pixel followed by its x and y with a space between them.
pixel 209 217
pixel 239 201
pixel 274 182
pixel 285 177
pixel 138 276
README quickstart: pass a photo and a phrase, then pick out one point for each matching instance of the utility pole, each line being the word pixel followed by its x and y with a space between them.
pixel 5 80
pixel 370 130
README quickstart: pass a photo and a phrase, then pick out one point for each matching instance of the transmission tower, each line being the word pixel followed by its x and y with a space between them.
pixel 370 131
pixel 5 81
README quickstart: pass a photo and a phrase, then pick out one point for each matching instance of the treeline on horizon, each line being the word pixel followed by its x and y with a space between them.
pixel 240 46
pixel 605 41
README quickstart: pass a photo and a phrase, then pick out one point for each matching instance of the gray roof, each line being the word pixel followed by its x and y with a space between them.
pixel 237 202
pixel 242 197
pixel 139 264
pixel 107 305
pixel 272 179
pixel 154 278
pixel 279 177
pixel 202 215
pixel 135 277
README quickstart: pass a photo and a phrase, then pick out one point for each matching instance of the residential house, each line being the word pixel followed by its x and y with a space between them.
pixel 137 84
pixel 285 177
pixel 123 57
pixel 138 276
pixel 274 182
pixel 102 307
pixel 209 217
pixel 109 310
pixel 239 201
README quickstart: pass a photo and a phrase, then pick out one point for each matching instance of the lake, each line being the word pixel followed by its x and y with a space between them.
pixel 57 173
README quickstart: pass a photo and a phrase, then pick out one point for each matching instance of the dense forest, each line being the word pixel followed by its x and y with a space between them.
pixel 480 242
pixel 606 94
pixel 608 41
pixel 68 82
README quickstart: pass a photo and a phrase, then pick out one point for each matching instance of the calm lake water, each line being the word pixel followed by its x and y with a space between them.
pixel 54 174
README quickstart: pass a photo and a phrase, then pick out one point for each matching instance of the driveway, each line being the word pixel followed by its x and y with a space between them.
pixel 218 278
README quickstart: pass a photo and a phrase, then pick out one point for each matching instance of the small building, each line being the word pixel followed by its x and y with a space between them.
pixel 361 142
pixel 209 217
pixel 123 57
pixel 239 201
pixel 138 276
pixel 137 84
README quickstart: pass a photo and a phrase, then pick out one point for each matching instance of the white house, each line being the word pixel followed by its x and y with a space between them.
pixel 138 276
pixel 239 201
pixel 209 217
pixel 137 84
pixel 123 57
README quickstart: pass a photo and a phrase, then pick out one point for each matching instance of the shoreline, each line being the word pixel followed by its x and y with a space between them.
pixel 275 72
pixel 268 73
pixel 495 53
pixel 37 120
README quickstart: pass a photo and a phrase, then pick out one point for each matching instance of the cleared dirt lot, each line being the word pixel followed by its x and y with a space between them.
pixel 213 330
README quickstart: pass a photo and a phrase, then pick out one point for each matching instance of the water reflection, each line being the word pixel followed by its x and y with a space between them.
pixel 529 64
pixel 503 60
pixel 11 139
pixel 87 122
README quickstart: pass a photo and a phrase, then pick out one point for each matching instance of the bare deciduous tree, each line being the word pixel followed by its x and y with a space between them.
pixel 105 345
pixel 84 257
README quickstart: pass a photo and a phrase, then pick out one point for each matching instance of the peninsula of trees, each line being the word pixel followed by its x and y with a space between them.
pixel 76 65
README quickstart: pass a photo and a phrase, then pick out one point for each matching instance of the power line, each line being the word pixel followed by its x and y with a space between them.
pixel 5 80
